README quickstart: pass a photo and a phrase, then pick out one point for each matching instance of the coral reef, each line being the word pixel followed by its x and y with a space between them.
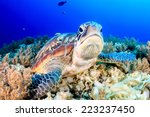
pixel 11 48
pixel 143 65
pixel 120 47
pixel 125 43
pixel 131 43
pixel 14 80
pixel 109 47
pixel 76 87
pixel 141 51
pixel 148 50
pixel 24 56
pixel 24 53
pixel 133 86
pixel 101 81
pixel 7 48
pixel 0 58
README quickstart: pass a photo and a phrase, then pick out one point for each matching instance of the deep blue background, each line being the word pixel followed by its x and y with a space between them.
pixel 21 18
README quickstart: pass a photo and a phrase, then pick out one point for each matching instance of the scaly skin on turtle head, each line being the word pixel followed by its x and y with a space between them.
pixel 79 50
pixel 87 48
pixel 90 42
pixel 65 54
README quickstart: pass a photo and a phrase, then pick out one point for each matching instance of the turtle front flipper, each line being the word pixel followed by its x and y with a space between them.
pixel 42 83
pixel 119 59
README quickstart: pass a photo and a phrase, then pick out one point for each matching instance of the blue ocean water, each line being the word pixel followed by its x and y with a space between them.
pixel 21 18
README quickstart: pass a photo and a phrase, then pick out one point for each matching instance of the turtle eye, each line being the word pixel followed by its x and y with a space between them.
pixel 101 30
pixel 80 30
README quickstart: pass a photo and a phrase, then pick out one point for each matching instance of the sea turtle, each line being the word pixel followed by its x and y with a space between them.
pixel 67 54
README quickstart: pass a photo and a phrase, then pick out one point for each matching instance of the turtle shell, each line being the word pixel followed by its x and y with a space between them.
pixel 60 46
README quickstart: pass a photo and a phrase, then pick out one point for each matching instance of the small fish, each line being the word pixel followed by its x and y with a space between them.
pixel 61 3
pixel 24 29
pixel 63 12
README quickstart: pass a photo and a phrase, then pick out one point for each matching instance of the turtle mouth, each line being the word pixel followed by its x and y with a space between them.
pixel 90 36
pixel 90 47
pixel 90 51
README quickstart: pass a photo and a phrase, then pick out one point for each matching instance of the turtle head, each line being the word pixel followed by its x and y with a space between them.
pixel 90 40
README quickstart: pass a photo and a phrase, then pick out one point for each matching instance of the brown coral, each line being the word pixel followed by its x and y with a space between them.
pixel 131 86
pixel 80 86
pixel 109 47
pixel 148 49
pixel 141 51
pixel 120 47
pixel 14 80
pixel 114 75
pixel 143 65
pixel 75 87
pixel 24 54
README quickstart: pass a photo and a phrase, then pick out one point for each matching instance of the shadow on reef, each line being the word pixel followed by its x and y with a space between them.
pixel 102 81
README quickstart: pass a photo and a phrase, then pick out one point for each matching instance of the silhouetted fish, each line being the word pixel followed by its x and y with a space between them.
pixel 63 12
pixel 61 3
pixel 24 29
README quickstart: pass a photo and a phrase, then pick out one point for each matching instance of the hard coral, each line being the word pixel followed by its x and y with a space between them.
pixel 120 44
pixel 15 44
pixel 11 48
pixel 24 54
pixel 14 80
pixel 103 82
pixel 143 65
pixel 148 50
pixel 75 87
pixel 131 43
pixel 114 76
pixel 63 96
pixel 133 86
pixel 141 51
pixel 120 47
pixel 109 47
